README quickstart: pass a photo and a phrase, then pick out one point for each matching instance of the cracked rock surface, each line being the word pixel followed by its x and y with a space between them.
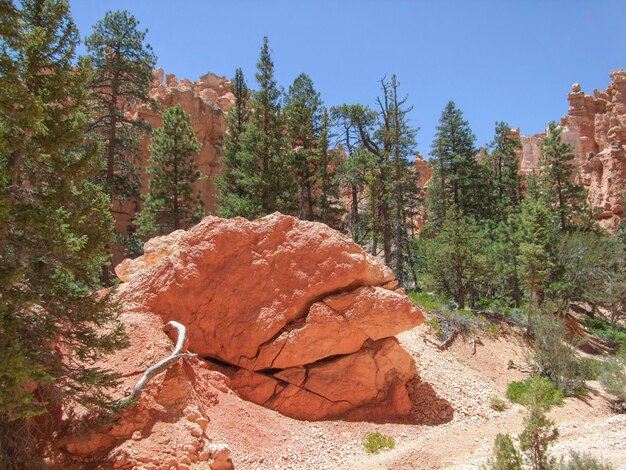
pixel 299 317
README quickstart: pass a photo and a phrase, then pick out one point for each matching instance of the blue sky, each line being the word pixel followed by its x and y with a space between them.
pixel 498 60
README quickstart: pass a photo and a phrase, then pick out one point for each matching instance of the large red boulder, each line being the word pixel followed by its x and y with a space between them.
pixel 301 315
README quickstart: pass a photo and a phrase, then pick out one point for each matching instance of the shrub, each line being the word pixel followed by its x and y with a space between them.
pixel 613 378
pixel 584 461
pixel 505 455
pixel 539 433
pixel 554 358
pixel 534 391
pixel 497 403
pixel 428 301
pixel 616 337
pixel 376 441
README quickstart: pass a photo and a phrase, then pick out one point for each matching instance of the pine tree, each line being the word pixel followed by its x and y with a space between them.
pixel 123 75
pixel 171 203
pixel 456 257
pixel 231 191
pixel 256 180
pixel 536 245
pixel 504 164
pixel 556 170
pixel 303 119
pixel 454 166
pixel 329 204
pixel 54 221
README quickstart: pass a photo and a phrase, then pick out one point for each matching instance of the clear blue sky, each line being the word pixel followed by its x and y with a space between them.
pixel 498 60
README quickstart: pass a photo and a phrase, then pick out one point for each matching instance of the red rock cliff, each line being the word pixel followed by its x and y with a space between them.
pixel 595 127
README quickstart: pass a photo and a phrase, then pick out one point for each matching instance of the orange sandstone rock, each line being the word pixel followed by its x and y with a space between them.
pixel 301 315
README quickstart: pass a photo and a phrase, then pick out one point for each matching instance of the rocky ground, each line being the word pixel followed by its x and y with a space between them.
pixel 468 382
pixel 319 338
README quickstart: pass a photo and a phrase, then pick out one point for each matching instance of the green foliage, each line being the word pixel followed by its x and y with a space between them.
pixel 505 455
pixel 456 174
pixel 538 435
pixel 446 323
pixel 562 194
pixel 171 203
pixel 612 376
pixel 534 391
pixel 55 223
pixel 591 269
pixel 504 164
pixel 615 336
pixel 375 442
pixel 257 179
pixel 584 461
pixel 428 301
pixel 456 259
pixel 497 403
pixel 554 358
pixel 123 66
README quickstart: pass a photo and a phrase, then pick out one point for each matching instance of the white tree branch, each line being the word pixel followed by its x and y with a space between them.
pixel 165 363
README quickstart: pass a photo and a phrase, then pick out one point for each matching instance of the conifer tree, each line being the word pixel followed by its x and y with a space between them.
pixel 123 66
pixel 328 203
pixel 456 257
pixel 504 164
pixel 231 180
pixel 54 221
pixel 456 174
pixel 259 167
pixel 171 203
pixel 303 121
pixel 557 170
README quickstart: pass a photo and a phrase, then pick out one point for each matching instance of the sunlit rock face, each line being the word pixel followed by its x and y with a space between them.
pixel 299 317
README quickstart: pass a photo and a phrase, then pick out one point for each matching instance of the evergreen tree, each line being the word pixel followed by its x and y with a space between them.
pixel 259 167
pixel 456 257
pixel 54 221
pixel 171 203
pixel 556 170
pixel 123 76
pixel 384 138
pixel 457 179
pixel 504 163
pixel 329 204
pixel 231 191
pixel 404 182
pixel 303 119
pixel 535 258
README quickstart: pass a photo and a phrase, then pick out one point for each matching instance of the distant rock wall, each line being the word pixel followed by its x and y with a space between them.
pixel 595 127
pixel 206 101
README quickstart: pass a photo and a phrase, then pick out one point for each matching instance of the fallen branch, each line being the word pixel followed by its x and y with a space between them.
pixel 164 364
pixel 441 346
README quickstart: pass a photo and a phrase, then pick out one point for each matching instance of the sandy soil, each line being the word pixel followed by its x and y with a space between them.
pixel 265 439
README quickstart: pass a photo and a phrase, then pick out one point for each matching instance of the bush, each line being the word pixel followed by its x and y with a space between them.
pixel 506 456
pixel 554 358
pixel 613 378
pixel 445 323
pixel 534 391
pixel 584 461
pixel 376 441
pixel 497 404
pixel 429 302
pixel 616 337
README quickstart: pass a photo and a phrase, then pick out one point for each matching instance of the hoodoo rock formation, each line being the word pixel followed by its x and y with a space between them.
pixel 595 127
pixel 299 317
pixel 206 101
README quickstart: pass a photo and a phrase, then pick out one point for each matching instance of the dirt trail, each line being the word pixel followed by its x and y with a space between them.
pixel 467 381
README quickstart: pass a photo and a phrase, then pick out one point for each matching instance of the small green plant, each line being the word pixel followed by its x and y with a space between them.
pixel 615 336
pixel 613 378
pixel 374 442
pixel 497 403
pixel 505 455
pixel 533 390
pixel 584 461
pixel 538 435
pixel 427 301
